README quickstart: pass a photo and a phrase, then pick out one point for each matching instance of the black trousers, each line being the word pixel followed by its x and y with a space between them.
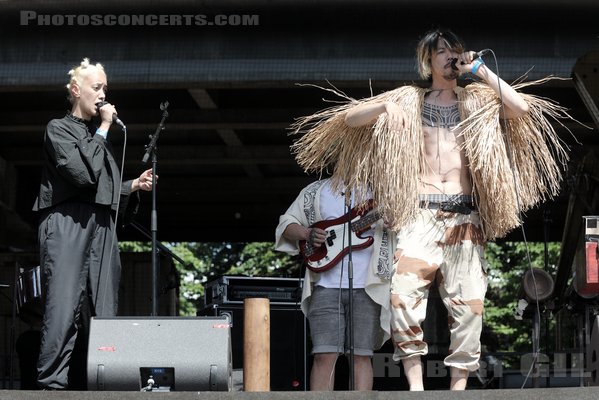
pixel 79 258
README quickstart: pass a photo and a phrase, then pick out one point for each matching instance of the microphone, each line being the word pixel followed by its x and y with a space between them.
pixel 115 117
pixel 474 57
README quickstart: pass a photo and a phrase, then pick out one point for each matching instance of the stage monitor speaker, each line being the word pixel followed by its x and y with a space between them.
pixel 160 354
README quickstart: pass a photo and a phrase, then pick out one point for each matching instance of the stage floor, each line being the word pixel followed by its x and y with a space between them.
pixel 583 393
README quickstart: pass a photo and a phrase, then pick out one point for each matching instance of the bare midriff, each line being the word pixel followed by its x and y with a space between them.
pixel 445 170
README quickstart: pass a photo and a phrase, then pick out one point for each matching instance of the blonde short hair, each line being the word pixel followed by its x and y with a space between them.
pixel 79 72
pixel 429 43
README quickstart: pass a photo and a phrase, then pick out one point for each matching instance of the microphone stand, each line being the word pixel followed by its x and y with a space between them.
pixel 151 150
pixel 163 249
pixel 350 281
pixel 546 224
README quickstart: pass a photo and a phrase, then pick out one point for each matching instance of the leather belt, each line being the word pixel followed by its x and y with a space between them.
pixel 449 206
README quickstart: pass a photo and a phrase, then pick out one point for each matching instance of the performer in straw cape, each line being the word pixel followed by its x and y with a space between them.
pixel 449 167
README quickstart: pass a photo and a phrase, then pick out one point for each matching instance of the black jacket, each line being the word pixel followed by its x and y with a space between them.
pixel 80 166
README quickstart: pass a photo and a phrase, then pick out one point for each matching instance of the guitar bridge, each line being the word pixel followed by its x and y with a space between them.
pixel 308 250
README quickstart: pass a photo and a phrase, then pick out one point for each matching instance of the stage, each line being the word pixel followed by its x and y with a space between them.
pixel 582 393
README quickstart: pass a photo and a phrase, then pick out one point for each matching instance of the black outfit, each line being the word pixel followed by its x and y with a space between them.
pixel 27 346
pixel 79 258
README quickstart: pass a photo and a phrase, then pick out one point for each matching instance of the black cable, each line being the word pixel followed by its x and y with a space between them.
pixel 349 323
pixel 297 307
pixel 339 299
pixel 116 218
pixel 535 338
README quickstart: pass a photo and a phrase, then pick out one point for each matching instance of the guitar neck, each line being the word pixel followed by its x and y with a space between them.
pixel 366 221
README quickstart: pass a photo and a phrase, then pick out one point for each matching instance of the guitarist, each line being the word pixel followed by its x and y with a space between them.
pixel 325 294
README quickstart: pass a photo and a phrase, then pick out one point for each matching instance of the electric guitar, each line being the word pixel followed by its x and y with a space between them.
pixel 335 246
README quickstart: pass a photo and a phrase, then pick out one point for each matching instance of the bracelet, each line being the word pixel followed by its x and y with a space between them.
pixel 102 132
pixel 477 63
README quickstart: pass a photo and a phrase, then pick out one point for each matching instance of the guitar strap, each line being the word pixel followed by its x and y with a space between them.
pixel 383 266
pixel 310 201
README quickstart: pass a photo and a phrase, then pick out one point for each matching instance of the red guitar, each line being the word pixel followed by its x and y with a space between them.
pixel 335 246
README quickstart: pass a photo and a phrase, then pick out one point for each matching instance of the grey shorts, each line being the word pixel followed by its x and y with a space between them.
pixel 328 316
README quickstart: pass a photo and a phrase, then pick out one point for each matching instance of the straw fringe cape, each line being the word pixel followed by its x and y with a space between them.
pixel 514 164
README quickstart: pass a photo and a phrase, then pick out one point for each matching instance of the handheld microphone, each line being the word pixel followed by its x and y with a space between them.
pixel 474 57
pixel 115 117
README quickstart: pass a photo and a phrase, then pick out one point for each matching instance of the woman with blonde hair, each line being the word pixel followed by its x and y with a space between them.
pixel 80 194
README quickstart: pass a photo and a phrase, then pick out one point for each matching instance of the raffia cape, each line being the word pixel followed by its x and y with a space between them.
pixel 514 164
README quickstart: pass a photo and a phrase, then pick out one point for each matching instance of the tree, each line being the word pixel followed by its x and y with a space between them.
pixel 508 262
pixel 207 261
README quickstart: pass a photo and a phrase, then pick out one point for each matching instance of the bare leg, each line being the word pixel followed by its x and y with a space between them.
pixel 363 372
pixel 413 370
pixel 459 378
pixel 322 376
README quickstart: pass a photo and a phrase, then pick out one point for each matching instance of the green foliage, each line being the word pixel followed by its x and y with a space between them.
pixel 135 247
pixel 260 259
pixel 508 262
pixel 191 280
pixel 207 261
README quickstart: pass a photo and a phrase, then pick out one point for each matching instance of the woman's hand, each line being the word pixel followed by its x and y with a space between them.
pixel 144 182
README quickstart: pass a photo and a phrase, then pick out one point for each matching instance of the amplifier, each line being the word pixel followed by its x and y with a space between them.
pixel 289 366
pixel 586 281
pixel 234 289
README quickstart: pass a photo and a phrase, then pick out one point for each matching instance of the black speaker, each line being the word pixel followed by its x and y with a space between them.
pixel 159 354
pixel 288 334
pixel 537 285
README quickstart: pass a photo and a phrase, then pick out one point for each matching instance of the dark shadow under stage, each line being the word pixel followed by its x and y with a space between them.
pixel 583 393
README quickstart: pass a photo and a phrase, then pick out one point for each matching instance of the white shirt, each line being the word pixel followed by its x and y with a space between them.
pixel 332 205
